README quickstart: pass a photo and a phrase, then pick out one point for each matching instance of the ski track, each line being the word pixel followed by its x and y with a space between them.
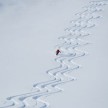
pixel 71 43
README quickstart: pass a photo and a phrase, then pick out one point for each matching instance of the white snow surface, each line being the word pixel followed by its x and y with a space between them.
pixel 29 32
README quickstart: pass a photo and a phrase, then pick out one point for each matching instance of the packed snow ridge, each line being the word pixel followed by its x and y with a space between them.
pixel 71 43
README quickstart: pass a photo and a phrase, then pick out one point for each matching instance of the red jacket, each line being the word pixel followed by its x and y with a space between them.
pixel 57 52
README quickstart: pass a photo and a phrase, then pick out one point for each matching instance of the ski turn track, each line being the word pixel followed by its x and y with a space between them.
pixel 71 43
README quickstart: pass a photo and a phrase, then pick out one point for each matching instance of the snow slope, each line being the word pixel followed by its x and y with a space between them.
pixel 22 54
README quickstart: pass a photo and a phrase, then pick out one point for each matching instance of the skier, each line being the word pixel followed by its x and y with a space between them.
pixel 58 51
